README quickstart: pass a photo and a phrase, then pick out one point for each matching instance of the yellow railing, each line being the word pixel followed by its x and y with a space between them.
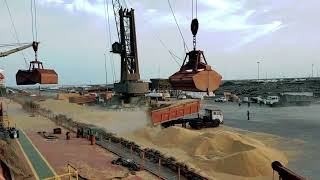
pixel 71 175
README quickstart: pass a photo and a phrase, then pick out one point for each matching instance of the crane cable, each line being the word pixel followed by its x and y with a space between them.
pixel 15 32
pixel 175 19
pixel 33 10
pixel 173 56
pixel 194 41
pixel 107 20
pixel 195 8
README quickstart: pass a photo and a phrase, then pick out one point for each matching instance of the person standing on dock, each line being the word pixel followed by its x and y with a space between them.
pixel 248 114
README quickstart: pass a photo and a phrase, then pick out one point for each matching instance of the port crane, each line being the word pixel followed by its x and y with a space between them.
pixel 126 46
pixel 36 73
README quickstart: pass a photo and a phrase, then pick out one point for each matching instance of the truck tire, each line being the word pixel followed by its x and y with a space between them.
pixel 216 123
pixel 196 125
pixel 165 125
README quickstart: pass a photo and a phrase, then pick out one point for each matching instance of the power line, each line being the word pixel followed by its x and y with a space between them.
pixel 15 31
pixel 175 19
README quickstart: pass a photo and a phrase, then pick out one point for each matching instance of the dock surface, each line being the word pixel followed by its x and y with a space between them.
pixel 39 164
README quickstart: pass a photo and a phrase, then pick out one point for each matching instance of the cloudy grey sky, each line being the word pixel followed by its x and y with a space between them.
pixel 234 34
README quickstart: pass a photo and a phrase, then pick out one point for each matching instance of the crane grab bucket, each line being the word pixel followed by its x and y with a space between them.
pixel 195 75
pixel 36 74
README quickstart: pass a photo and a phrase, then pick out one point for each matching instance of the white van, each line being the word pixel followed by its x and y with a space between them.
pixel 271 100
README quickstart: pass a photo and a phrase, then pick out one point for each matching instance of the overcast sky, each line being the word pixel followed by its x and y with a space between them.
pixel 283 35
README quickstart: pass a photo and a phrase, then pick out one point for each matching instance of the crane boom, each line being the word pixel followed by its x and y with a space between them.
pixel 6 53
pixel 116 8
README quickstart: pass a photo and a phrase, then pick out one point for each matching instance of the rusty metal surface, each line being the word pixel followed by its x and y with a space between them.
pixel 195 74
pixel 131 87
pixel 41 76
pixel 202 81
pixel 173 112
pixel 285 173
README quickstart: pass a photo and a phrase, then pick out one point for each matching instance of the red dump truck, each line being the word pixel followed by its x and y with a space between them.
pixel 186 113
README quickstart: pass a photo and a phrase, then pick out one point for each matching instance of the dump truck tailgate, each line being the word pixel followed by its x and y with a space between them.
pixel 175 111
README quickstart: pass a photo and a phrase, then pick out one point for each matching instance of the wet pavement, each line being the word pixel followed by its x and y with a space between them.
pixel 295 122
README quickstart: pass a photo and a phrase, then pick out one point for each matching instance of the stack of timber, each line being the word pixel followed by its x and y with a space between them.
pixel 82 99
pixel 107 95
pixel 66 96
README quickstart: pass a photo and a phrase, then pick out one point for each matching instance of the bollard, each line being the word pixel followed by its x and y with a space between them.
pixel 93 139
pixel 68 135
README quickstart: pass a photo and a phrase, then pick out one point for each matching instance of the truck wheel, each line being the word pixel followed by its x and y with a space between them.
pixel 165 125
pixel 192 125
pixel 196 125
pixel 216 123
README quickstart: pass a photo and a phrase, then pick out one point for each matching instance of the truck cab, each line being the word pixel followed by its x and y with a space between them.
pixel 214 114
pixel 211 118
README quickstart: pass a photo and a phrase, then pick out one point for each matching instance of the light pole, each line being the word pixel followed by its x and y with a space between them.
pixel 258 70
pixel 312 70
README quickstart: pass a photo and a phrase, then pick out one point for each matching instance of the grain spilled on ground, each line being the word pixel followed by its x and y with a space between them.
pixel 216 152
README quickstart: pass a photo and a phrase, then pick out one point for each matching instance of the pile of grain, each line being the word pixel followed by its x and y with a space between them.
pixel 216 153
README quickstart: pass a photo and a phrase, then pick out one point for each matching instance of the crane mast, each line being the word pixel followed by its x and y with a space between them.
pixel 126 47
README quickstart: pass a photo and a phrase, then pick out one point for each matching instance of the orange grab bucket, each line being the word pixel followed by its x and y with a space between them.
pixel 195 75
pixel 36 74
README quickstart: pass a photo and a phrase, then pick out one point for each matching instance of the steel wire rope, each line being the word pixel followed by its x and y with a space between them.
pixel 175 19
pixel 173 56
pixel 15 31
pixel 107 20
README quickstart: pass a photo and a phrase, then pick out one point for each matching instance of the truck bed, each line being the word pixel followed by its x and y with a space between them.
pixel 175 111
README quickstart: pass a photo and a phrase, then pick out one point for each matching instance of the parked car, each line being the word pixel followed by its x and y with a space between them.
pixel 182 96
pixel 257 99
